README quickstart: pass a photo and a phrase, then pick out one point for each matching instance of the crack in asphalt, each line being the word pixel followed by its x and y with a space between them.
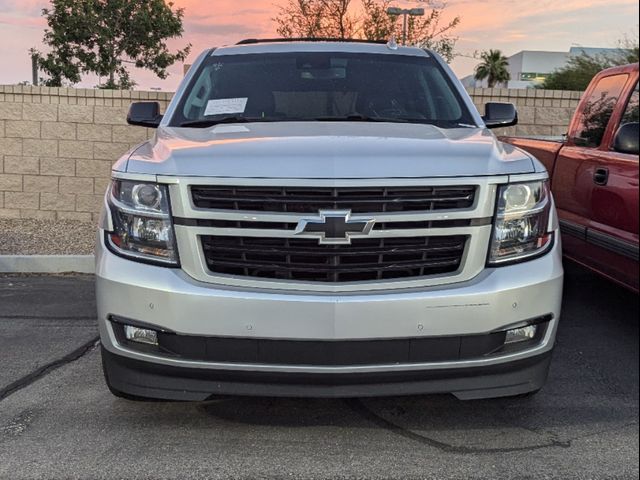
pixel 48 368
pixel 360 408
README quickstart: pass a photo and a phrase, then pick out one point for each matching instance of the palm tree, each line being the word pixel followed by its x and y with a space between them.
pixel 493 68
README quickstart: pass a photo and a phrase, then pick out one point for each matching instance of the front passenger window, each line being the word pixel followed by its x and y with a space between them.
pixel 598 110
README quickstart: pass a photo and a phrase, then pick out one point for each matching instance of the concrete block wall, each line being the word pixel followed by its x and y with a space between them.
pixel 57 145
pixel 540 112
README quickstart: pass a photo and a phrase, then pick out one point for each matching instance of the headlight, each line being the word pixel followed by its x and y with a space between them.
pixel 142 227
pixel 521 225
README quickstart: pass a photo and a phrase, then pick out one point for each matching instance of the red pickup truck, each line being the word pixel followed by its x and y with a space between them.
pixel 594 176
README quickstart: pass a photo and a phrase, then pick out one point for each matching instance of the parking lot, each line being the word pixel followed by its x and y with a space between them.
pixel 58 420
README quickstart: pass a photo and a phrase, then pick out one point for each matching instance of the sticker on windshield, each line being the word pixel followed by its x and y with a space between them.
pixel 225 106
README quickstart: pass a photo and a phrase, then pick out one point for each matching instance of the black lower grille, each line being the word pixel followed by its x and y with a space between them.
pixel 331 353
pixel 312 199
pixel 305 260
pixel 342 352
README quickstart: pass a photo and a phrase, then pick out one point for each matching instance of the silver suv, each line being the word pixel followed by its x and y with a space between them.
pixel 326 219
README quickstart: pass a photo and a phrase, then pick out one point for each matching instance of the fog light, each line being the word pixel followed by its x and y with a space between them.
pixel 521 334
pixel 141 335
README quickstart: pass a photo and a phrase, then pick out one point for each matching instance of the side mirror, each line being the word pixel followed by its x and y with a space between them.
pixel 626 139
pixel 144 114
pixel 498 115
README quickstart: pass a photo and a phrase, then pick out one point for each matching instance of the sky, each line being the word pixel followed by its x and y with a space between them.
pixel 508 25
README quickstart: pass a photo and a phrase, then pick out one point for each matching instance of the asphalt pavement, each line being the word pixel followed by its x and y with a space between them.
pixel 58 420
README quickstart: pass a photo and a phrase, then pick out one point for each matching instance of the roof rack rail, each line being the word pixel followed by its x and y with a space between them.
pixel 252 41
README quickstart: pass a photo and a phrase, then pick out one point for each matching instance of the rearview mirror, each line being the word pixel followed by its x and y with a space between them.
pixel 626 139
pixel 500 115
pixel 144 114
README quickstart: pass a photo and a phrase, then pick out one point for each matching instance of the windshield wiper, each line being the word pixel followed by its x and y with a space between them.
pixel 217 121
pixel 352 117
pixel 357 117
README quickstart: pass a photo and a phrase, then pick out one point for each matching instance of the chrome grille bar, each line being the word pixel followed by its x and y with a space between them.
pixel 310 200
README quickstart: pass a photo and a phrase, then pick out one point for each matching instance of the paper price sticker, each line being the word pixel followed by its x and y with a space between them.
pixel 226 106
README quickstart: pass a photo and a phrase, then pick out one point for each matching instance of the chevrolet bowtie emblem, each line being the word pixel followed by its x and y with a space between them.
pixel 334 227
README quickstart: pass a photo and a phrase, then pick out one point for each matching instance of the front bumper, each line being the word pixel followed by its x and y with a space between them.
pixel 170 300
pixel 151 380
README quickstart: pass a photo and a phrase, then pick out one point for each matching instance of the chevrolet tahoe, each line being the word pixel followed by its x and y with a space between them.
pixel 326 219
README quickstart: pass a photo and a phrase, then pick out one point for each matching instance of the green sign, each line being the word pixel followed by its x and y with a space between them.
pixel 533 76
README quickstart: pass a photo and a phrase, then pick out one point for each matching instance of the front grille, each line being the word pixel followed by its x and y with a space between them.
pixel 312 199
pixel 305 260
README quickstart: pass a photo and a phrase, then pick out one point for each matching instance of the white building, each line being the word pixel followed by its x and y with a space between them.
pixel 530 67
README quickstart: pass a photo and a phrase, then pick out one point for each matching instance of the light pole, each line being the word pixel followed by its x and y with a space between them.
pixel 34 66
pixel 405 12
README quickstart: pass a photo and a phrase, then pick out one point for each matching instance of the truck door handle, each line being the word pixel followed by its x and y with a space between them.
pixel 601 176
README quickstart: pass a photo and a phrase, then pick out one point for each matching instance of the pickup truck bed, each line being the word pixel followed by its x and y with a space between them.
pixel 545 150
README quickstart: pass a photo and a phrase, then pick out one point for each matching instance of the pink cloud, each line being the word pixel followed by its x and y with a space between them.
pixel 510 25
pixel 27 22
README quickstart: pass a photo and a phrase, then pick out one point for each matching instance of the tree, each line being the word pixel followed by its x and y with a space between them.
pixel 426 32
pixel 628 49
pixel 580 69
pixel 101 36
pixel 300 18
pixel 316 18
pixel 338 19
pixel 493 68
pixel 576 74
pixel 377 24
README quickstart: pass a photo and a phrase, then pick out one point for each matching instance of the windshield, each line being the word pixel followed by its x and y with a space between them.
pixel 303 86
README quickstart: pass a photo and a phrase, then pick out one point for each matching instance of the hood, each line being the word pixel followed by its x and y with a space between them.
pixel 327 150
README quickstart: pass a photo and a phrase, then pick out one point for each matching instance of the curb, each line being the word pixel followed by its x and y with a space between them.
pixel 47 264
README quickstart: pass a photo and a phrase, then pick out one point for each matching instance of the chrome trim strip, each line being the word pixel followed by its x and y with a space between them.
pixel 254 216
pixel 258 232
